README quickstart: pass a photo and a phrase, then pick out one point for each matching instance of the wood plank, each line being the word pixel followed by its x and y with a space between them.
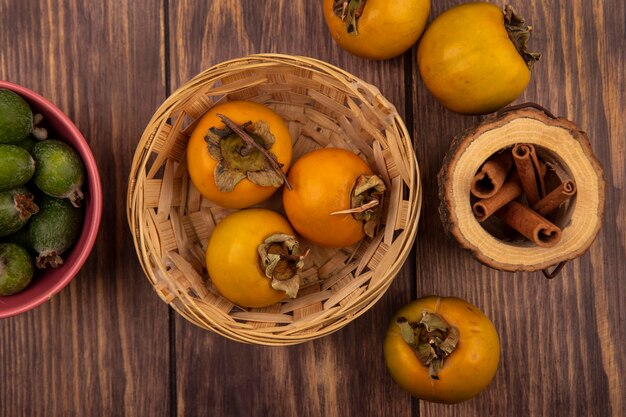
pixel 560 338
pixel 88 351
pixel 343 373
pixel 101 346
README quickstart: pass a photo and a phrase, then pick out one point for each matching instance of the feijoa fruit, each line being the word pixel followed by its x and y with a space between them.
pixel 22 238
pixel 60 172
pixel 16 268
pixel 53 230
pixel 28 142
pixel 16 117
pixel 16 207
pixel 16 166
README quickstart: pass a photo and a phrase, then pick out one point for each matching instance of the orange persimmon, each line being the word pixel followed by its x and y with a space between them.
pixel 224 167
pixel 442 349
pixel 253 257
pixel 324 182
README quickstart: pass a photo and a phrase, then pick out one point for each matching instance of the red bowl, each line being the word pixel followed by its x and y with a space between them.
pixel 47 283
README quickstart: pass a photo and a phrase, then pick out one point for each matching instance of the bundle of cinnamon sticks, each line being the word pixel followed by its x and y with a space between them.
pixel 511 185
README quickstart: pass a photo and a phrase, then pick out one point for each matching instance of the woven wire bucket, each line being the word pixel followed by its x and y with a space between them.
pixel 323 106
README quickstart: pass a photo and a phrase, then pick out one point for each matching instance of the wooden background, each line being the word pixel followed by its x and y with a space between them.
pixel 107 346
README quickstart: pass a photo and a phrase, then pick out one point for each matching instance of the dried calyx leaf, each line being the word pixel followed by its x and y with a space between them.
pixel 349 12
pixel 519 33
pixel 25 205
pixel 410 333
pixel 48 260
pixel 367 190
pixel 238 158
pixel 432 340
pixel 281 261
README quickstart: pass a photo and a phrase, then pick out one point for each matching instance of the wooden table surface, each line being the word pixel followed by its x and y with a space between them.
pixel 108 346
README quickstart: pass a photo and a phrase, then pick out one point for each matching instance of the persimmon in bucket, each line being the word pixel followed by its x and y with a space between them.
pixel 253 258
pixel 226 166
pixel 336 200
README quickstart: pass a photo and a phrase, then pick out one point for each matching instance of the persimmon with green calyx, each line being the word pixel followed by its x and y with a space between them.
pixel 54 230
pixel 60 171
pixel 441 349
pixel 16 117
pixel 376 29
pixel 16 269
pixel 238 154
pixel 253 258
pixel 17 166
pixel 336 199
pixel 16 208
pixel 473 57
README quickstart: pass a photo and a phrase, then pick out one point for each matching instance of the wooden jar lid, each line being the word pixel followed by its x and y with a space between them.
pixel 563 146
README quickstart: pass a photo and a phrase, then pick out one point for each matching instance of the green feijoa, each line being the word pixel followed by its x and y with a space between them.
pixel 22 238
pixel 60 171
pixel 16 118
pixel 16 166
pixel 27 143
pixel 53 230
pixel 16 207
pixel 16 268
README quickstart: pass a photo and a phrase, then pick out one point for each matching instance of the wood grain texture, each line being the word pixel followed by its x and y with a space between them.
pixel 88 351
pixel 344 373
pixel 560 339
pixel 106 345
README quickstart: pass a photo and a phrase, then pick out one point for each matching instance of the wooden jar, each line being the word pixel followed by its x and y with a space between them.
pixel 566 152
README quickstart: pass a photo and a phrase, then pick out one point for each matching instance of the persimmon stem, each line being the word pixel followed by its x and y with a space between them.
pixel 360 209
pixel 349 11
pixel 344 10
pixel 251 142
pixel 295 258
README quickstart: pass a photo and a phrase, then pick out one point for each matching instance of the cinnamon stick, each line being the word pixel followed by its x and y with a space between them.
pixel 541 169
pixel 555 198
pixel 492 175
pixel 511 189
pixel 530 224
pixel 522 156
